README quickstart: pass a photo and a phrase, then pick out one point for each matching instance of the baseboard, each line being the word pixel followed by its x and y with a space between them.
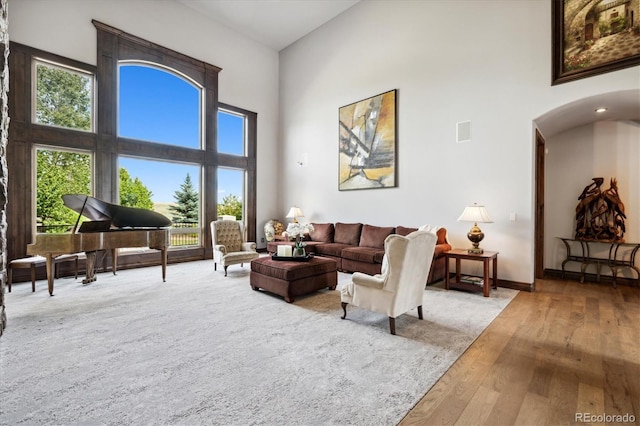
pixel 593 278
pixel 516 285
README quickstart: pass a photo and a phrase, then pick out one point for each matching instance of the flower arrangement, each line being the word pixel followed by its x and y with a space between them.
pixel 576 62
pixel 297 231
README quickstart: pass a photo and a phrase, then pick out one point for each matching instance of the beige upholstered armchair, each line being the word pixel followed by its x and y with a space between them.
pixel 229 247
pixel 400 285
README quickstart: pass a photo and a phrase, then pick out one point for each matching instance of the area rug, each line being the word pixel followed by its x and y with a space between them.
pixel 204 349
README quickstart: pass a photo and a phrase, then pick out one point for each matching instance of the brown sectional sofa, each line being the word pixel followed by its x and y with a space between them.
pixel 358 247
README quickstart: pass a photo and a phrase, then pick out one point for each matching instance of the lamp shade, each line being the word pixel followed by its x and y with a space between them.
pixel 295 212
pixel 475 213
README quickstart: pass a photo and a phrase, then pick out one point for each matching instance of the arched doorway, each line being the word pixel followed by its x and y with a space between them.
pixel 621 106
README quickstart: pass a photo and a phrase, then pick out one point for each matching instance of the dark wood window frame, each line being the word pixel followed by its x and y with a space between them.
pixel 113 46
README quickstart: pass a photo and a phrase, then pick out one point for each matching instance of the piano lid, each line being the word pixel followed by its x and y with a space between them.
pixel 120 216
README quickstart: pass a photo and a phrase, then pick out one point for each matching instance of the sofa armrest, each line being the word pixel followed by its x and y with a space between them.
pixel 440 249
pixel 221 248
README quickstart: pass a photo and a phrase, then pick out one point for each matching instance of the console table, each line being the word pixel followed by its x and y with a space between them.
pixel 463 254
pixel 615 260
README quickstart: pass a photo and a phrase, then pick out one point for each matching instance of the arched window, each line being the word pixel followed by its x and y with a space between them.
pixel 160 105
pixel 157 104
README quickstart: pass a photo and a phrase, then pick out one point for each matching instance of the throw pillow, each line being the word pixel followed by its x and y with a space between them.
pixel 347 233
pixel 373 236
pixel 401 230
pixel 322 232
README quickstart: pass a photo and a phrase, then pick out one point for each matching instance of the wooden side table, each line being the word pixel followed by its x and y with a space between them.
pixel 463 254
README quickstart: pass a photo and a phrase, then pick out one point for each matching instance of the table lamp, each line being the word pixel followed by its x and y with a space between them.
pixel 475 214
pixel 295 213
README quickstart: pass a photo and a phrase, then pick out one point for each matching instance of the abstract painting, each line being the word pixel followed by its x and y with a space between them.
pixel 367 143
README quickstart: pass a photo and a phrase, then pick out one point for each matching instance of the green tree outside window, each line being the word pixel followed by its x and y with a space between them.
pixel 59 173
pixel 63 98
pixel 187 199
pixel 231 205
pixel 133 193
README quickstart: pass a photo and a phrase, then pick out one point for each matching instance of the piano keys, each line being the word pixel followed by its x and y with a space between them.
pixel 133 228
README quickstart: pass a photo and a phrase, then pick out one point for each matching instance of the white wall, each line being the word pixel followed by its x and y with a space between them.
pixel 249 76
pixel 607 149
pixel 488 61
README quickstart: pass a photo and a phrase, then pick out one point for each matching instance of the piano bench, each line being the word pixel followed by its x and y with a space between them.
pixel 68 258
pixel 35 261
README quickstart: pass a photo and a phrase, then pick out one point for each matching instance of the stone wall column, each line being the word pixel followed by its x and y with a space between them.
pixel 4 138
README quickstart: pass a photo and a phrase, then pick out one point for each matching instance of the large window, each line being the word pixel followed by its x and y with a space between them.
pixel 231 132
pixel 63 96
pixel 59 172
pixel 231 193
pixel 152 138
pixel 232 139
pixel 172 189
pixel 158 105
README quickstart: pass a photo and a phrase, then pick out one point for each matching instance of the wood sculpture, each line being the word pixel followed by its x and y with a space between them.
pixel 600 214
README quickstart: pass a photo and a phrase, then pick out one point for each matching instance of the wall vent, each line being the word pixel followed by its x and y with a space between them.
pixel 463 131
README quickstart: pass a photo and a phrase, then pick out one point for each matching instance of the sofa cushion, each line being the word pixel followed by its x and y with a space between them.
pixel 310 246
pixel 347 233
pixel 373 236
pixel 330 249
pixel 323 232
pixel 363 254
pixel 401 230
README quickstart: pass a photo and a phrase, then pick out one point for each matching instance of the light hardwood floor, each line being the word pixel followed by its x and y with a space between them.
pixel 566 348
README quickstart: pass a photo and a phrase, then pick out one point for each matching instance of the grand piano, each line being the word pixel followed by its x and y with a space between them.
pixel 111 226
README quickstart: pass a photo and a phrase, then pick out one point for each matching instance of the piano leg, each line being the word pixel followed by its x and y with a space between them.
pixel 114 260
pixel 91 266
pixel 50 274
pixel 163 253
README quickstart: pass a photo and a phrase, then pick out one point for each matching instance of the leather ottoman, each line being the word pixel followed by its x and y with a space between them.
pixel 290 279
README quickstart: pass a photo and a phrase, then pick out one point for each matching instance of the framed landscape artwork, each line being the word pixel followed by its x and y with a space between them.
pixel 593 37
pixel 367 143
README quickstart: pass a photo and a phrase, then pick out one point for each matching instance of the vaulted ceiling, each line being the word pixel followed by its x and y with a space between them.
pixel 274 23
pixel 279 23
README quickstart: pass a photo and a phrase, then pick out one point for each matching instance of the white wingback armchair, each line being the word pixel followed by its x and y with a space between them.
pixel 229 247
pixel 400 285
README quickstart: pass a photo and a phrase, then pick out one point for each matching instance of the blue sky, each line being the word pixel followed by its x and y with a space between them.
pixel 171 116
